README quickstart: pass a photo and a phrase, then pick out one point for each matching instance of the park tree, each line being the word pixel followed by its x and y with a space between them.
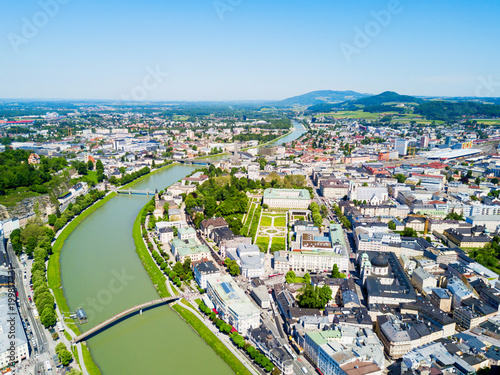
pixel 48 317
pixel 391 225
pixel 400 177
pixel 336 274
pixel 290 277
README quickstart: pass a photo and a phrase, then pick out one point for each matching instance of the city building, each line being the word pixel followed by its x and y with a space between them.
pixel 232 304
pixel 264 340
pixel 468 237
pixel 190 248
pixel 336 352
pixel 203 270
pixel 442 299
pixel 186 233
pixel 423 281
pixel 13 341
pixel 287 198
pixel 313 253
pixel 250 259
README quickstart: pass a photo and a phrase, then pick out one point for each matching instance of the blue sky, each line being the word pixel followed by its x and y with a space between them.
pixel 247 49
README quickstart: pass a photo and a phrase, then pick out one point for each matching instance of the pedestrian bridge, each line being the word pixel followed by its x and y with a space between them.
pixel 136 192
pixel 121 316
pixel 193 162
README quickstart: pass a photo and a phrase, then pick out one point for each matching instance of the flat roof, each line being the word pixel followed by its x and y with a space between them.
pixel 287 194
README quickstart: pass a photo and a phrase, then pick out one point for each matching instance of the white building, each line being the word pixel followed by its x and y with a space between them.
pixel 12 349
pixel 187 233
pixel 202 271
pixel 250 260
pixel 287 198
pixel 232 304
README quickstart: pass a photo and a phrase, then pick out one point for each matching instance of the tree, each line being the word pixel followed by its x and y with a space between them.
pixel 494 180
pixel 262 163
pixel 65 357
pixel 410 232
pixel 400 177
pixel 307 278
pixel 290 277
pixel 48 317
pixel 454 216
pixel 74 372
pixel 52 219
pixel 324 295
pixel 90 165
pixel 392 225
pixel 336 274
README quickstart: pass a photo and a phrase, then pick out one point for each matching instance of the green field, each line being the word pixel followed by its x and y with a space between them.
pixel 278 244
pixel 488 121
pixel 351 114
pixel 280 222
pixel 262 243
pixel 266 221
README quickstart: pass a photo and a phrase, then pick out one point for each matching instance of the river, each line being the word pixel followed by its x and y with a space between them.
pixel 102 273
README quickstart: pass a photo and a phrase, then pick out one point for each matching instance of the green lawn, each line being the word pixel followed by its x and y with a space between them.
pixel 90 177
pixel 280 222
pixel 212 340
pixel 262 243
pixel 252 231
pixel 278 244
pixel 266 221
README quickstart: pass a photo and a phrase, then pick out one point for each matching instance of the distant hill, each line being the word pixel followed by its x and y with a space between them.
pixel 322 96
pixel 386 97
pixel 382 102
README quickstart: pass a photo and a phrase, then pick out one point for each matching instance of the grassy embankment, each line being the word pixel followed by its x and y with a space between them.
pixel 55 282
pixel 159 280
pixel 212 340
pixel 156 275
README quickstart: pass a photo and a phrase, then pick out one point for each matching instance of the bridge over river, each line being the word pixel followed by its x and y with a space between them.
pixel 124 314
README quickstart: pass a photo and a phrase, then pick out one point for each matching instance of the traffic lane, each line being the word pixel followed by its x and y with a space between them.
pixel 41 338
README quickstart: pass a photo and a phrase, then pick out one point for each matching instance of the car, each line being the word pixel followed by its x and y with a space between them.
pixel 304 370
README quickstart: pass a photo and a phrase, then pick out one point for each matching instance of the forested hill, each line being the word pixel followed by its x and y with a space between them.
pixel 370 101
pixel 322 96
pixel 443 110
pixel 16 172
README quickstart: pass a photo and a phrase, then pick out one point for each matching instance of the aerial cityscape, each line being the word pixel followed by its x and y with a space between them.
pixel 251 188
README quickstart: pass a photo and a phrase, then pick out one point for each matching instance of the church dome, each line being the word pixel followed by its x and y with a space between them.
pixel 380 261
